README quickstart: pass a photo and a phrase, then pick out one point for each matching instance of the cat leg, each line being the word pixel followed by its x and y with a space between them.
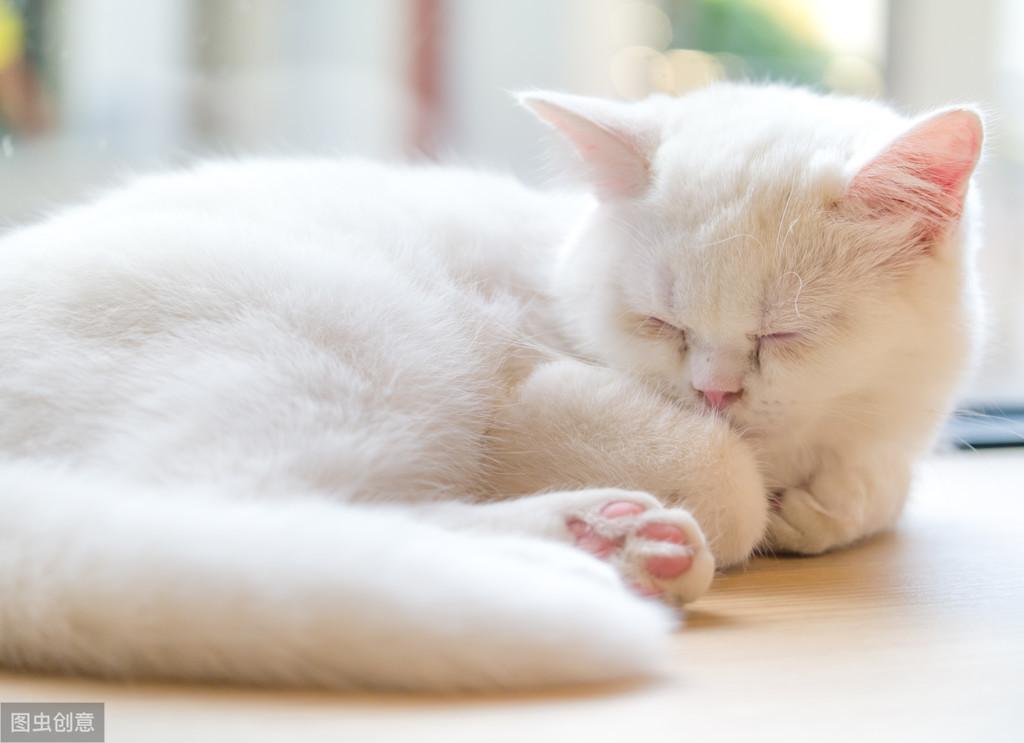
pixel 571 426
pixel 659 551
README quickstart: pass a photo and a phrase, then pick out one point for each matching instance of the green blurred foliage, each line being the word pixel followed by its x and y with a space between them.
pixel 769 50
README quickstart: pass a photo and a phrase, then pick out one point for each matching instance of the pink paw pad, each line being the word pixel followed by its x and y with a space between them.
pixel 665 566
pixel 662 533
pixel 596 544
pixel 619 508
pixel 668 566
pixel 587 539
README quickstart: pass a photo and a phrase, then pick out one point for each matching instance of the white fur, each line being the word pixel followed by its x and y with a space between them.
pixel 754 222
pixel 260 421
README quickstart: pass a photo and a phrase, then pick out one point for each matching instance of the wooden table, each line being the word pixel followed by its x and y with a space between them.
pixel 915 636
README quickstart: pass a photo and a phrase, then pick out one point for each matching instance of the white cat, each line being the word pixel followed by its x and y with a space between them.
pixel 279 422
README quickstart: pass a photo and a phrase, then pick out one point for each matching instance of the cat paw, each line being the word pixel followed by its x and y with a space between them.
pixel 800 524
pixel 659 551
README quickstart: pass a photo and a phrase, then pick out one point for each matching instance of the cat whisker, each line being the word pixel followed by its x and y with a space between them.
pixel 779 240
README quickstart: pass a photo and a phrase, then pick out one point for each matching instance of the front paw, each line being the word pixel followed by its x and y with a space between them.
pixel 799 523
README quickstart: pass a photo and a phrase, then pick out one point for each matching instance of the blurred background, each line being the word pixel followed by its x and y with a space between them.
pixel 92 89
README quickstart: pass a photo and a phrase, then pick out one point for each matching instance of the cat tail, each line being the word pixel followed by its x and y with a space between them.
pixel 99 578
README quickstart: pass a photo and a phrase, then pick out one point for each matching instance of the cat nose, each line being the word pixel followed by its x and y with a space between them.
pixel 720 399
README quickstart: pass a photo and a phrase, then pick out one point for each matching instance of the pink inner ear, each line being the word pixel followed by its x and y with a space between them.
pixel 925 172
pixel 617 166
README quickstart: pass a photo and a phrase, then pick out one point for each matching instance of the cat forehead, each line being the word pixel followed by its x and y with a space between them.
pixel 748 177
pixel 743 233
pixel 733 264
pixel 731 140
pixel 724 294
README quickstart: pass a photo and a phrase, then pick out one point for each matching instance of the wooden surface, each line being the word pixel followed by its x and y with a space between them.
pixel 915 636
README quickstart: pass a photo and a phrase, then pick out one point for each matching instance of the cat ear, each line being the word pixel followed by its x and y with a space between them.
pixel 615 141
pixel 923 175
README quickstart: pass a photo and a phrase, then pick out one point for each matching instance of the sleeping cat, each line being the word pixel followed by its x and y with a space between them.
pixel 347 424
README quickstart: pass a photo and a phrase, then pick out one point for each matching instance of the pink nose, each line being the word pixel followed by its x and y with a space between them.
pixel 721 399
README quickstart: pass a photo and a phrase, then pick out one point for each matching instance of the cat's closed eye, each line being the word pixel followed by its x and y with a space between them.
pixel 780 337
pixel 655 327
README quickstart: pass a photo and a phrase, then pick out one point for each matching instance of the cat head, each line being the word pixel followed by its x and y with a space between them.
pixel 762 251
